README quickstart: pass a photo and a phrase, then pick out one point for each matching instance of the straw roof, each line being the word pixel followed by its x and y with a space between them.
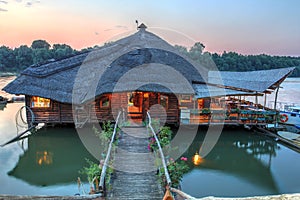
pixel 141 61
pixel 253 81
pixel 203 91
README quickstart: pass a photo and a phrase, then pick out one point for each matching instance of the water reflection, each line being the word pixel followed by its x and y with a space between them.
pixel 238 156
pixel 54 156
pixel 2 106
pixel 197 159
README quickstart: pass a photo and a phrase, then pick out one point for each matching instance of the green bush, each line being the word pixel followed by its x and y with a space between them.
pixel 176 171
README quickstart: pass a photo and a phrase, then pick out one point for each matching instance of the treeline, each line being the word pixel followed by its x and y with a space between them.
pixel 231 61
pixel 40 51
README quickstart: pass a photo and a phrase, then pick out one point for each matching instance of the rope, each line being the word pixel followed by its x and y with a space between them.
pixel 25 124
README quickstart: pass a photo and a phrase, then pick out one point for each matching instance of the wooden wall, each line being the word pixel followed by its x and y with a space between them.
pixel 172 110
pixel 60 113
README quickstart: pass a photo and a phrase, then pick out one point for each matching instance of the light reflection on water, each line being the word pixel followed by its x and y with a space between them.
pixel 241 164
pixel 46 163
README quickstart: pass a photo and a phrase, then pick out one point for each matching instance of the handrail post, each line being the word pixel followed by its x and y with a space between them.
pixel 105 164
pixel 169 182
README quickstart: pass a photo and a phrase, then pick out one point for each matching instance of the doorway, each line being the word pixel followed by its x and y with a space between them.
pixel 138 104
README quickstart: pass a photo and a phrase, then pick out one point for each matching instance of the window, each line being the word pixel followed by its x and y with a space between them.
pixel 200 103
pixel 186 98
pixel 104 102
pixel 39 102
pixel 164 101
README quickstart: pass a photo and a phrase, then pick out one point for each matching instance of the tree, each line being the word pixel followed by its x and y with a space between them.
pixel 41 55
pixel 60 51
pixel 7 59
pixel 40 44
pixel 196 51
pixel 24 56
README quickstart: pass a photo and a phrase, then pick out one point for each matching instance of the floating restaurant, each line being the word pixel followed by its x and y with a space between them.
pixel 139 73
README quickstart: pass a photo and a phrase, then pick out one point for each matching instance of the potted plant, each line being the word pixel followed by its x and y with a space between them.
pixel 93 173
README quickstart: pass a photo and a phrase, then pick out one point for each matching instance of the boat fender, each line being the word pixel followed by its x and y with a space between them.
pixel 284 118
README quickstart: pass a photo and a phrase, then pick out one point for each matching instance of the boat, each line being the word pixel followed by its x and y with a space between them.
pixel 290 118
pixel 3 100
pixel 291 137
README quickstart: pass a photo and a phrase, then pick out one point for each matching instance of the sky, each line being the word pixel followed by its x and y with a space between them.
pixel 244 26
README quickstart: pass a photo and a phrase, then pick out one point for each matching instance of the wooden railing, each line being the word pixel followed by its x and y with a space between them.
pixel 107 158
pixel 240 116
pixel 168 179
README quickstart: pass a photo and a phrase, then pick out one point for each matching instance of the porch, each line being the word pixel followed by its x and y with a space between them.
pixel 227 111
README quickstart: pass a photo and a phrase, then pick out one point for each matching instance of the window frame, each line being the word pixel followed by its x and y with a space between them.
pixel 167 102
pixel 106 97
pixel 32 106
pixel 186 98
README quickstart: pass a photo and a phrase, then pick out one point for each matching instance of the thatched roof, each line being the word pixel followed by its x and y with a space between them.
pixel 203 91
pixel 253 81
pixel 142 61
pixel 139 62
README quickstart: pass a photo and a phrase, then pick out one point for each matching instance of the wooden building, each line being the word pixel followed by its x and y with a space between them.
pixel 133 75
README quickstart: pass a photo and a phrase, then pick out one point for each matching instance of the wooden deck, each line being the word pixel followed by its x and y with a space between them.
pixel 135 171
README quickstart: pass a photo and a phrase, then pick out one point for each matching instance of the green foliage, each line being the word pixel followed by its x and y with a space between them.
pixel 40 44
pixel 176 171
pixel 155 123
pixel 232 61
pixel 106 133
pixel 164 137
pixel 40 51
pixel 107 130
pixel 93 171
pixel 206 111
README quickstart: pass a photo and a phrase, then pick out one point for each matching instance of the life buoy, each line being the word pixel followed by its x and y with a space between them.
pixel 284 118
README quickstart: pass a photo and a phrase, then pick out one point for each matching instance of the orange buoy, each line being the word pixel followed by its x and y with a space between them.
pixel 284 118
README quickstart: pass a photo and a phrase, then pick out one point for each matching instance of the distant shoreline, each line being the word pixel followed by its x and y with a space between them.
pixel 7 74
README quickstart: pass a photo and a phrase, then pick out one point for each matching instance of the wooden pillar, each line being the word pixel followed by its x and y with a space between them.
pixel 275 103
pixel 256 99
pixel 276 96
pixel 265 101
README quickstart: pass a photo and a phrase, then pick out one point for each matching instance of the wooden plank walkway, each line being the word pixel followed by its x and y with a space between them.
pixel 135 172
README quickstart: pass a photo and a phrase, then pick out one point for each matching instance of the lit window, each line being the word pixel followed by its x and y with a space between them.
pixel 39 102
pixel 164 101
pixel 104 102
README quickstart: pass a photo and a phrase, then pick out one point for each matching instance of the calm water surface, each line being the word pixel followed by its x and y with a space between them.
pixel 241 164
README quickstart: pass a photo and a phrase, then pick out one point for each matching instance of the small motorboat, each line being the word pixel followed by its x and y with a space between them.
pixel 289 135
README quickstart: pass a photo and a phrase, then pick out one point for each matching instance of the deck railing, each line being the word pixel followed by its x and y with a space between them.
pixel 107 158
pixel 168 179
pixel 238 116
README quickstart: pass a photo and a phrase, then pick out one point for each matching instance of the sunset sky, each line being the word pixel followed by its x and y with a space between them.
pixel 244 26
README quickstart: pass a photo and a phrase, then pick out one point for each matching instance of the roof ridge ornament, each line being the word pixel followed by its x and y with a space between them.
pixel 141 27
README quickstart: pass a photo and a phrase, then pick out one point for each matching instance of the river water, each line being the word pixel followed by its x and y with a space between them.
pixel 241 164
